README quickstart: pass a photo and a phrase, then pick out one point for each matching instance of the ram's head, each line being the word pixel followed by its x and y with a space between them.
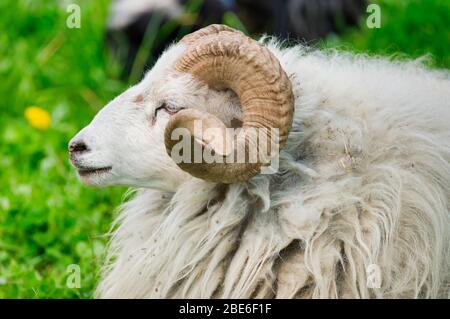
pixel 216 78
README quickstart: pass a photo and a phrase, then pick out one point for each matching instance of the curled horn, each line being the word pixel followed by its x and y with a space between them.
pixel 225 58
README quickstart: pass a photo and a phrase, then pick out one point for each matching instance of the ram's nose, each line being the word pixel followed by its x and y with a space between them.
pixel 77 147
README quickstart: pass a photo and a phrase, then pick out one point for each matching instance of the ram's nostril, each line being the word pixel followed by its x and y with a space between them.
pixel 78 147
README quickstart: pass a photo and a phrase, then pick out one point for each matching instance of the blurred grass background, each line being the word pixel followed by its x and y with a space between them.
pixel 409 29
pixel 48 220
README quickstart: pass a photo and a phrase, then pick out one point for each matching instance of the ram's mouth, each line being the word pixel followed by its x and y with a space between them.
pixel 88 171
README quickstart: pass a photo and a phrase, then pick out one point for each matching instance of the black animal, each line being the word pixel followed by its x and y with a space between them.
pixel 305 20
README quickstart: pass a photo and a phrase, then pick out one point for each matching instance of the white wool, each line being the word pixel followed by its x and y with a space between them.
pixel 364 179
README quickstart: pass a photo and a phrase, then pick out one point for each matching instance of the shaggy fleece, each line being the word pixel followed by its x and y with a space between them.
pixel 364 180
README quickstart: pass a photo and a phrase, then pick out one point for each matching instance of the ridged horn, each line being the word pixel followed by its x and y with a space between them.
pixel 225 58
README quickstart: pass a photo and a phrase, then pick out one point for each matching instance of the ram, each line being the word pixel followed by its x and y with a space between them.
pixel 358 207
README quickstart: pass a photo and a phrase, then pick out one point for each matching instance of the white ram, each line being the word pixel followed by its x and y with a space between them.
pixel 360 204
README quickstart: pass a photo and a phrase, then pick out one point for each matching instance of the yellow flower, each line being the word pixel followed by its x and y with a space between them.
pixel 38 117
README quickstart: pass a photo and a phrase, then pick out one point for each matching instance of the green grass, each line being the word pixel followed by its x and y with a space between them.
pixel 48 220
pixel 409 29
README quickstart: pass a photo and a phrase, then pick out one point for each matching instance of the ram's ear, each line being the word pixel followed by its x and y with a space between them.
pixel 218 140
pixel 206 130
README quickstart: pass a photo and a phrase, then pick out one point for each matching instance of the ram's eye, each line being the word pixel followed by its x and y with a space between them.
pixel 165 107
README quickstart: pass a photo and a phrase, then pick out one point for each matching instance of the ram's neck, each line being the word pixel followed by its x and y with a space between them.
pixel 204 240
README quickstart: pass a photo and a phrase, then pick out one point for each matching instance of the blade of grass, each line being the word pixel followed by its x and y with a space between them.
pixel 145 50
